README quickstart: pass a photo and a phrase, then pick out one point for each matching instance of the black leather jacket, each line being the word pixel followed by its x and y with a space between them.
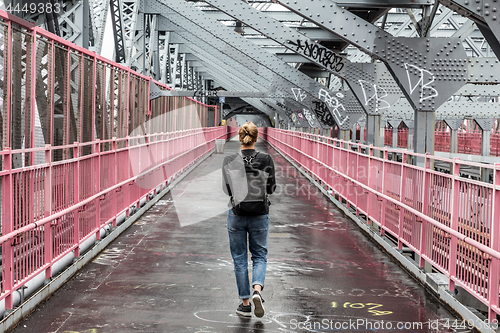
pixel 263 162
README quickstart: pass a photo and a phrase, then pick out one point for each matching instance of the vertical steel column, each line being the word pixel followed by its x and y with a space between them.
pixel 116 163
pixel 453 140
pixel 454 125
pixel 486 126
pixel 411 128
pixel 394 137
pixel 423 137
pixel 373 130
pixel 86 24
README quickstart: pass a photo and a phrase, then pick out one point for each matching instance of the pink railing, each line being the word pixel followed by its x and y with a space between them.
pixel 81 143
pixel 403 138
pixel 495 144
pixel 469 143
pixel 388 136
pixel 449 221
pixel 442 140
pixel 50 209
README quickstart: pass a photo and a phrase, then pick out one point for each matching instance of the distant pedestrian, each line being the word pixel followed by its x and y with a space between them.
pixel 248 178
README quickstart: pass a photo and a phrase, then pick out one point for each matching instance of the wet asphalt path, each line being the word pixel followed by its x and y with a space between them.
pixel 323 274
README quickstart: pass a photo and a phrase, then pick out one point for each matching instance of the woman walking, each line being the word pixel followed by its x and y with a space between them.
pixel 248 178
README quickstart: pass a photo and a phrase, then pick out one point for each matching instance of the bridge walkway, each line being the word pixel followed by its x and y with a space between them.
pixel 162 275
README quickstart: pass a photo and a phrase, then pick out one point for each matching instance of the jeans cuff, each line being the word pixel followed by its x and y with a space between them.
pixel 245 297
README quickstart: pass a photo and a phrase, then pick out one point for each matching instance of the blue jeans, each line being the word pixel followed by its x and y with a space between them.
pixel 257 229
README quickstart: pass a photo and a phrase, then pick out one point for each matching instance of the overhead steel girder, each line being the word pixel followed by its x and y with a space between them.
pixel 133 28
pixel 372 85
pixel 98 16
pixel 254 58
pixel 483 70
pixel 450 110
pixel 230 71
pixel 225 63
pixel 473 90
pixel 163 42
pixel 229 76
pixel 74 22
pixel 220 67
pixel 428 70
pixel 193 35
pixel 215 93
pixel 484 14
pixel 214 42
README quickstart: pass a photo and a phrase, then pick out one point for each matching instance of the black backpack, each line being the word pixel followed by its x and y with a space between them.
pixel 248 185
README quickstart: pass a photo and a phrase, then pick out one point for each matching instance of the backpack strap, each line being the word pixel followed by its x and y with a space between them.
pixel 248 159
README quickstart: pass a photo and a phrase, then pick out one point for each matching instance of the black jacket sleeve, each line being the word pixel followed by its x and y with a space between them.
pixel 225 179
pixel 271 180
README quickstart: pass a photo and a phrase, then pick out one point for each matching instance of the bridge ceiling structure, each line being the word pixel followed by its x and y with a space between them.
pixel 309 63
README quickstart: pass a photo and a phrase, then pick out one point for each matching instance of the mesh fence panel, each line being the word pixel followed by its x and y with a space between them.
pixel 61 98
pixel 43 96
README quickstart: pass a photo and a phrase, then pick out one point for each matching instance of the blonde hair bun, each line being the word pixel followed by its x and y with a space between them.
pixel 248 133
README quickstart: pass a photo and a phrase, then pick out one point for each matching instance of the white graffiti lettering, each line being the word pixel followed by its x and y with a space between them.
pixel 336 108
pixel 299 94
pixel 378 94
pixel 420 83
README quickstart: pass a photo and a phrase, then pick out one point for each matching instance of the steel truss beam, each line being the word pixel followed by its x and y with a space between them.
pixel 98 16
pixel 220 66
pixel 449 110
pixel 437 67
pixel 483 13
pixel 193 36
pixel 133 28
pixel 428 70
pixel 116 19
pixel 371 84
pixel 215 93
pixel 263 81
pixel 277 71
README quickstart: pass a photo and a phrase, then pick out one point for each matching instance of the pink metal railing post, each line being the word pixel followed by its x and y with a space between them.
pixel 96 185
pixel 115 165
pixel 455 197
pixel 348 202
pixel 402 191
pixel 383 201
pixel 76 195
pixel 7 226
pixel 47 227
pixel 425 203
pixel 494 275
pixel 126 166
pixel 9 85
pixel 369 183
